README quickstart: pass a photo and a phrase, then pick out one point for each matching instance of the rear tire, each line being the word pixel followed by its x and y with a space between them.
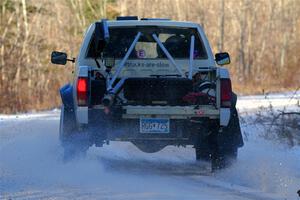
pixel 73 151
pixel 74 142
pixel 219 157
pixel 226 143
pixel 221 148
pixel 223 158
pixel 203 147
pixel 203 154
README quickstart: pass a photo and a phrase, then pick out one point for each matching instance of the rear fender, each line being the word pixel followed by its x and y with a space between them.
pixel 66 94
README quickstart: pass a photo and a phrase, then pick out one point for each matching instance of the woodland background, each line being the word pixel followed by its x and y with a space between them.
pixel 262 37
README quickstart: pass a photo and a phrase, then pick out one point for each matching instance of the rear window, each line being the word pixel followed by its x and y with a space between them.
pixel 176 41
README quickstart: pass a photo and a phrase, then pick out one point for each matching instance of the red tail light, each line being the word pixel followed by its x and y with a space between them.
pixel 82 91
pixel 226 93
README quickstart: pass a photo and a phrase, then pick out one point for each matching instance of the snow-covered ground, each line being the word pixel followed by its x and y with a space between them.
pixel 31 165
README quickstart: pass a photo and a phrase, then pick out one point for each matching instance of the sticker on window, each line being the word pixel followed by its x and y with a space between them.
pixel 141 53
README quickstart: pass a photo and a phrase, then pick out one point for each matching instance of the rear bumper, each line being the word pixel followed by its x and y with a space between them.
pixel 84 114
pixel 124 124
pixel 172 112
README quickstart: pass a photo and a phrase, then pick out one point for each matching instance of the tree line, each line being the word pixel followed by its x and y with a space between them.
pixel 262 37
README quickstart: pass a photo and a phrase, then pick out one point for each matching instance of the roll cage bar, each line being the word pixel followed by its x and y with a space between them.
pixel 111 78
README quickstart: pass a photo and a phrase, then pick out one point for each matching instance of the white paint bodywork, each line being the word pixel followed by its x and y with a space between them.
pixel 223 73
pixel 82 114
pixel 83 64
pixel 224 116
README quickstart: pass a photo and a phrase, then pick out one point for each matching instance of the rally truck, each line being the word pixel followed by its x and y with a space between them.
pixel 151 82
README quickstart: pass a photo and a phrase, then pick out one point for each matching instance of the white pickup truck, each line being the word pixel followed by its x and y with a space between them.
pixel 152 82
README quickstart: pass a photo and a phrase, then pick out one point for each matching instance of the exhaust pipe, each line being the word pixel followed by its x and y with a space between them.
pixel 108 100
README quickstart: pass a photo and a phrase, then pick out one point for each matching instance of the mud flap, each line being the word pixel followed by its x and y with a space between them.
pixel 72 140
pixel 231 135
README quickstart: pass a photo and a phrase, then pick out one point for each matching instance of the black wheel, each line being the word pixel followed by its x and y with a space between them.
pixel 73 150
pixel 215 153
pixel 223 158
pixel 225 144
pixel 221 148
pixel 203 154
pixel 74 142
pixel 203 147
pixel 219 157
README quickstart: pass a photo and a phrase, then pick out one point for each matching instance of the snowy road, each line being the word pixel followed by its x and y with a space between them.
pixel 31 166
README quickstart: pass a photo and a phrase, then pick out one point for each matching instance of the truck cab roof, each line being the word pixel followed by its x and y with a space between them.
pixel 159 24
pixel 153 22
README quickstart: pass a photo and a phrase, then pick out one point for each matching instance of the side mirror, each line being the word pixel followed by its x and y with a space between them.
pixel 59 58
pixel 222 58
pixel 101 35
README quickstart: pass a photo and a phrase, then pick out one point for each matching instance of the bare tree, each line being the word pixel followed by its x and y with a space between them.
pixel 222 21
pixel 262 38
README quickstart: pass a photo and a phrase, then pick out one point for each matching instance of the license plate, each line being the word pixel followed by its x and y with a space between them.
pixel 154 125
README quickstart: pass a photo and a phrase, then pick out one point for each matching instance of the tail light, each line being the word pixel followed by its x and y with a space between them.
pixel 226 93
pixel 82 91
